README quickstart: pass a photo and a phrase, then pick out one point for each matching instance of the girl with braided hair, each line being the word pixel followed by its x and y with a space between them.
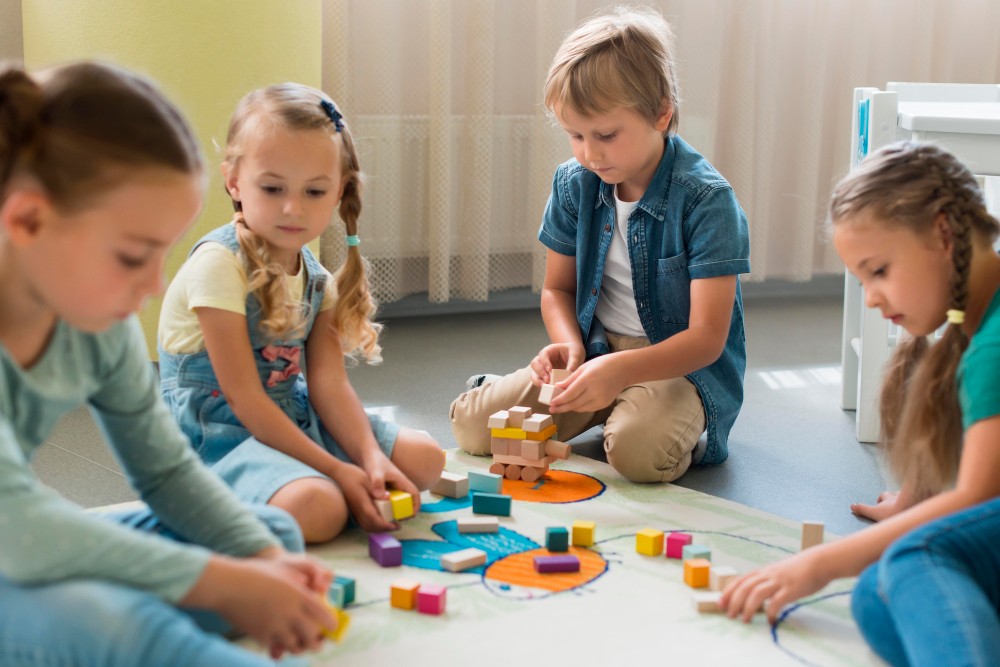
pixel 252 304
pixel 911 223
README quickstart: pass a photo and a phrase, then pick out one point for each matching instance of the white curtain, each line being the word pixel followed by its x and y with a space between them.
pixel 444 96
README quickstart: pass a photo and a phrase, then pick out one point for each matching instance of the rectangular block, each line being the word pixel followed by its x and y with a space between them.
pixel 478 524
pixel 404 594
pixel 583 533
pixel 384 508
pixel 491 503
pixel 498 419
pixel 696 551
pixel 707 603
pixel 649 541
pixel 402 504
pixel 565 563
pixel 558 375
pixel 676 543
pixel 513 447
pixel 523 462
pixel 532 449
pixel 498 445
pixel 542 435
pixel 537 423
pixel 720 576
pixel 696 572
pixel 431 599
pixel 557 450
pixel 466 559
pixel 556 538
pixel 451 485
pixel 385 549
pixel 547 393
pixel 517 415
pixel 486 482
pixel 512 433
pixel 812 533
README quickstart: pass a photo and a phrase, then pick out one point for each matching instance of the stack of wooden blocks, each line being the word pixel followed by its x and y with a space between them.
pixel 523 444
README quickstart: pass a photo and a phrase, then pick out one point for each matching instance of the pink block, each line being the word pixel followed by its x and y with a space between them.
pixel 676 543
pixel 431 599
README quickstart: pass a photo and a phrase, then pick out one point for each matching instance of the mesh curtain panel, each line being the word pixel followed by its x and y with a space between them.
pixel 445 100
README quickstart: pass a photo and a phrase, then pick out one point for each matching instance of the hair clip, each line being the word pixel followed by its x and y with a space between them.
pixel 353 240
pixel 956 316
pixel 333 114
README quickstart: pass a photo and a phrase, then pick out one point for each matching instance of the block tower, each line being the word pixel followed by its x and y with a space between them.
pixel 524 444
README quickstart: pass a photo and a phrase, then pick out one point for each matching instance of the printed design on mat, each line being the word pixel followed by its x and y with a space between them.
pixel 556 486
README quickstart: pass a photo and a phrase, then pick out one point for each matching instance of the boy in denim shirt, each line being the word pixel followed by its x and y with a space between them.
pixel 645 245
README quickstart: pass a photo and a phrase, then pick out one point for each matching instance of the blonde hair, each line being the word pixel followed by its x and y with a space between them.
pixel 621 59
pixel 298 107
pixel 909 184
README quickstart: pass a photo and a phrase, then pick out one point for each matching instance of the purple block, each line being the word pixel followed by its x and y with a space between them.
pixel 676 543
pixel 557 564
pixel 385 549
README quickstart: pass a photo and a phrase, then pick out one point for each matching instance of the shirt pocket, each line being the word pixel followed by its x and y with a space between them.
pixel 673 289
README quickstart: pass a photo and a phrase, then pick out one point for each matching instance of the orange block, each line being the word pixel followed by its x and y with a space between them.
pixel 696 572
pixel 404 594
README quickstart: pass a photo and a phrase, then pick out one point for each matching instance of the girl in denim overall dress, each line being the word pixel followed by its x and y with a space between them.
pixel 254 331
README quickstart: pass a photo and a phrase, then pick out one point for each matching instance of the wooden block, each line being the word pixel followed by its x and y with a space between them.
pixel 696 572
pixel 466 559
pixel 402 504
pixel 556 538
pixel 521 461
pixel 696 551
pixel 486 482
pixel 478 524
pixel 532 449
pixel 497 469
pixel 531 474
pixel 403 594
pixel 547 393
pixel 513 448
pixel 676 543
pixel 451 485
pixel 517 415
pixel 384 508
pixel 498 445
pixel 343 621
pixel 720 576
pixel 385 549
pixel 707 603
pixel 512 433
pixel 498 420
pixel 431 599
pixel 542 435
pixel 537 423
pixel 557 450
pixel 649 541
pixel 812 533
pixel 341 592
pixel 512 472
pixel 558 375
pixel 583 533
pixel 563 563
pixel 491 503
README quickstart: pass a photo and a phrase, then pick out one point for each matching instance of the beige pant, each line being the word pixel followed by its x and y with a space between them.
pixel 650 429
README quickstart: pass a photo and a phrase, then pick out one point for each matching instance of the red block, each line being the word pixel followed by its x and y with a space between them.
pixel 431 599
pixel 676 543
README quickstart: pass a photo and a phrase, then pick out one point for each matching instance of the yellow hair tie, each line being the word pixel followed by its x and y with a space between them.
pixel 956 316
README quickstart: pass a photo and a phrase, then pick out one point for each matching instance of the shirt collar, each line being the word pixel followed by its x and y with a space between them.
pixel 654 200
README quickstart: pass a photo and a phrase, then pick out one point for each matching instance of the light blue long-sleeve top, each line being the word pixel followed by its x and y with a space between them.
pixel 45 538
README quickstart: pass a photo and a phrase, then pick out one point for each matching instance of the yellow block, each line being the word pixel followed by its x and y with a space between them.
pixel 404 594
pixel 696 572
pixel 343 620
pixel 519 434
pixel 402 504
pixel 649 542
pixel 583 533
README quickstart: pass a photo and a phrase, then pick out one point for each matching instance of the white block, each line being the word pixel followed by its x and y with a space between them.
pixel 812 533
pixel 466 559
pixel 720 576
pixel 385 509
pixel 479 524
pixel 451 485
pixel 706 603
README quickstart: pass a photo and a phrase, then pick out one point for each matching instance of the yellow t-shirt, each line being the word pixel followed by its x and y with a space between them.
pixel 214 277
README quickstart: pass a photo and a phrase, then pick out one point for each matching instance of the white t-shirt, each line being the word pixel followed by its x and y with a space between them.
pixel 616 304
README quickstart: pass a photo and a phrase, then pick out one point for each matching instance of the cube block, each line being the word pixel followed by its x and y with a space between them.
pixel 451 485
pixel 478 524
pixel 513 447
pixel 402 504
pixel 431 599
pixel 565 563
pixel 548 392
pixel 707 603
pixel 517 415
pixel 696 572
pixel 404 594
pixel 341 592
pixel 649 542
pixel 486 482
pixel 556 538
pixel 498 420
pixel 498 445
pixel 558 375
pixel 466 559
pixel 812 533
pixel 385 549
pixel 343 621
pixel 537 423
pixel 583 533
pixel 532 449
pixel 384 508
pixel 491 503
pixel 720 576
pixel 696 551
pixel 676 543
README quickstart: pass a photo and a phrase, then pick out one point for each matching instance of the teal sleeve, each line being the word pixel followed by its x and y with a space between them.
pixel 979 386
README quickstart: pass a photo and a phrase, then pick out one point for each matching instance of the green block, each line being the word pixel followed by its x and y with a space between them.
pixel 491 503
pixel 341 592
pixel 696 551
pixel 557 539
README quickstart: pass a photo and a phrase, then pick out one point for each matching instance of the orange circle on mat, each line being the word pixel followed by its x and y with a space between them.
pixel 519 569
pixel 560 486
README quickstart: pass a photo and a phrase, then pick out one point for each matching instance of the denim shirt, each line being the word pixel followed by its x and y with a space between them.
pixel 687 226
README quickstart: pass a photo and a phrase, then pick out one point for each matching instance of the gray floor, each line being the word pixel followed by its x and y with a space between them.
pixel 792 451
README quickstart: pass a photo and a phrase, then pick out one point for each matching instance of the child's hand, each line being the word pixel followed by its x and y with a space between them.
pixel 310 572
pixel 780 583
pixel 592 387
pixel 357 488
pixel 383 472
pixel 557 355
pixel 888 505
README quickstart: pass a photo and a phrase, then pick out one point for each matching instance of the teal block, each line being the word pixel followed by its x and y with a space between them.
pixel 696 551
pixel 556 538
pixel 491 503
pixel 485 482
pixel 341 592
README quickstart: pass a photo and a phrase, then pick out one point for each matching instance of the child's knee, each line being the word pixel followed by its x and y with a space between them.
pixel 426 458
pixel 317 505
pixel 640 457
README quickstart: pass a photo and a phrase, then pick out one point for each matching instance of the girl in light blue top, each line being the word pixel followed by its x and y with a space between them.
pixel 99 177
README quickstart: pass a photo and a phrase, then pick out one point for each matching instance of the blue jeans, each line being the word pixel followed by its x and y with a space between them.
pixel 86 623
pixel 934 597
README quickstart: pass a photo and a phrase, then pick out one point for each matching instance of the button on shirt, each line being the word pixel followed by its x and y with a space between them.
pixel 616 304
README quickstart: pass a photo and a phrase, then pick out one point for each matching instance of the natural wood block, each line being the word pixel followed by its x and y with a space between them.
pixel 384 508
pixel 557 450
pixel 498 445
pixel 536 423
pixel 547 393
pixel 498 419
pixel 451 485
pixel 543 462
pixel 720 576
pixel 558 375
pixel 466 559
pixel 812 533
pixel 707 603
pixel 513 448
pixel 532 449
pixel 478 524
pixel 517 415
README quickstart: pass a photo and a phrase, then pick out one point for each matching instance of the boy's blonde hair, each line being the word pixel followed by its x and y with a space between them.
pixel 298 107
pixel 622 59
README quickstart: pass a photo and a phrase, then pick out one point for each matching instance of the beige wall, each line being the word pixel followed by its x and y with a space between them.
pixel 10 30
pixel 205 54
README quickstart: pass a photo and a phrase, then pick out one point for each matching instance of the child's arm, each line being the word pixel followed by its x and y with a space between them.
pixel 559 313
pixel 341 411
pixel 809 571
pixel 596 384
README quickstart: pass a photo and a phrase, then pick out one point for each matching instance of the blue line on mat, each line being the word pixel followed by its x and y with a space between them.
pixel 784 614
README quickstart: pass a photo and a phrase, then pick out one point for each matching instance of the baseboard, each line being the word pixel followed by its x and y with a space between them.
pixel 823 285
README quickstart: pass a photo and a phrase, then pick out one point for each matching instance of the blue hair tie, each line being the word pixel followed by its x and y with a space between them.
pixel 333 114
pixel 353 240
